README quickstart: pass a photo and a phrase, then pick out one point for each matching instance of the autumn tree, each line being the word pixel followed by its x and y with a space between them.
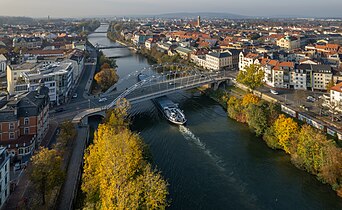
pixel 235 109
pixel 46 173
pixel 309 151
pixel 252 76
pixel 285 130
pixel 331 171
pixel 330 84
pixel 106 78
pixel 66 135
pixel 256 118
pixel 250 99
pixel 116 174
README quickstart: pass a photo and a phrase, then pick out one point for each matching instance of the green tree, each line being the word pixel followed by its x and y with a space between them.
pixel 309 153
pixel 46 173
pixel 252 76
pixel 331 170
pixel 256 118
pixel 66 135
pixel 235 109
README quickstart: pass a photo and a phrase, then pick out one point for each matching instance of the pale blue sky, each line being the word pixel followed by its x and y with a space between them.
pixel 85 8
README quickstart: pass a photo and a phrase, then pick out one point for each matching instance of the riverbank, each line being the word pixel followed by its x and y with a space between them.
pixel 309 149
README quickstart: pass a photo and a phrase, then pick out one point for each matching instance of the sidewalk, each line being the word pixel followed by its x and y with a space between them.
pixel 69 189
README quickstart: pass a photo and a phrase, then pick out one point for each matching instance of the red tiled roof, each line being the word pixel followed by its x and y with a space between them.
pixel 337 87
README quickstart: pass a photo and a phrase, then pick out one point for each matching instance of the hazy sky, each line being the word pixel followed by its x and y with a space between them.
pixel 85 8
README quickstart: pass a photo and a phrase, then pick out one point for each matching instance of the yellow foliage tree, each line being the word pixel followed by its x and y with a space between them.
pixel 285 130
pixel 116 175
pixel 250 99
pixel 106 78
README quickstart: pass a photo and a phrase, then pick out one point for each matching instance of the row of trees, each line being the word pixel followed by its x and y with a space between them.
pixel 309 148
pixel 107 76
pixel 158 56
pixel 116 172
pixel 47 173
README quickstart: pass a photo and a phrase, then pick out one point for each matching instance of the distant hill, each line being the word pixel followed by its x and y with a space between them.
pixel 206 15
pixel 16 20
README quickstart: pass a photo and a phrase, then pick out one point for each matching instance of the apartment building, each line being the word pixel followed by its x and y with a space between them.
pixel 28 42
pixel 289 42
pixel 4 176
pixel 24 122
pixel 247 59
pixel 57 77
pixel 3 68
pixel 317 76
pixel 218 60
pixel 13 72
pixel 336 96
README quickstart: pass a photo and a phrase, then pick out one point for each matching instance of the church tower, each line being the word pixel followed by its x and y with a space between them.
pixel 198 21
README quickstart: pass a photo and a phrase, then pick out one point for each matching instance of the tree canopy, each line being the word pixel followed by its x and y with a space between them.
pixel 46 173
pixel 116 174
pixel 252 76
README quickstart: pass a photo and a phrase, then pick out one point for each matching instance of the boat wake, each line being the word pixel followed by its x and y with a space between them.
pixel 188 135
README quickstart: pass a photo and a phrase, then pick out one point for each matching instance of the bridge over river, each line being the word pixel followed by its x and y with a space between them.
pixel 158 85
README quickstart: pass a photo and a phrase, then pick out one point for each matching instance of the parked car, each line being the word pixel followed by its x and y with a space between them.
pixel 310 99
pixel 74 96
pixel 60 109
pixel 274 92
pixel 102 100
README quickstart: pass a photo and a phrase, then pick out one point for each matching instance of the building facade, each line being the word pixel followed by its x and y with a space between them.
pixel 218 60
pixel 289 42
pixel 24 122
pixel 4 176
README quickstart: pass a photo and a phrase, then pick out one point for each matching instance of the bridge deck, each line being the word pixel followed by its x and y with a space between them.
pixel 155 88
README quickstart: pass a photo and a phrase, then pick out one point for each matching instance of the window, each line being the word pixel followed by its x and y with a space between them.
pixel 26 121
pixel 26 130
pixel 11 135
pixel 11 126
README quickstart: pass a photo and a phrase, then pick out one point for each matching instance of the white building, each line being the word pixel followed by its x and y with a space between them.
pixel 218 60
pixel 13 72
pixel 298 79
pixel 336 96
pixel 3 64
pixel 247 60
pixel 4 176
pixel 58 77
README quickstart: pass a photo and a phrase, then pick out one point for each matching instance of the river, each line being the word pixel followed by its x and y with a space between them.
pixel 214 162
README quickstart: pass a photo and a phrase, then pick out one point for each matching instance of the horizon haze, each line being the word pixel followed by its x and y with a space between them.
pixel 91 8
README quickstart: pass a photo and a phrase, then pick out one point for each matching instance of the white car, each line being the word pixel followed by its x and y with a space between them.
pixel 74 96
pixel 102 100
pixel 274 92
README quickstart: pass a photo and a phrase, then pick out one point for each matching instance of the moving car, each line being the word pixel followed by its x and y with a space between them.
pixel 274 92
pixel 102 100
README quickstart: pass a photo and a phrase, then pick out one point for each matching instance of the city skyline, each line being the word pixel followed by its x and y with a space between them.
pixel 88 8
